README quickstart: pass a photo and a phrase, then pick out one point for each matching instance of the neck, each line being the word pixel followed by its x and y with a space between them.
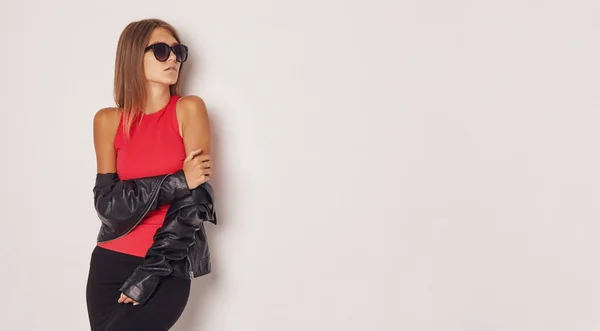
pixel 158 95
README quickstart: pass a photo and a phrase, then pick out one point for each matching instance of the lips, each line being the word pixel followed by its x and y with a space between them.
pixel 171 68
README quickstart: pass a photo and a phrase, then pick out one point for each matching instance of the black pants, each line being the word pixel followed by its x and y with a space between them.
pixel 108 272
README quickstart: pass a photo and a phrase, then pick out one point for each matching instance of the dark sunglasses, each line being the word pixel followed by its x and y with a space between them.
pixel 162 51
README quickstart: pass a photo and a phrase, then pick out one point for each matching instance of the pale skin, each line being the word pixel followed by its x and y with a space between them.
pixel 192 116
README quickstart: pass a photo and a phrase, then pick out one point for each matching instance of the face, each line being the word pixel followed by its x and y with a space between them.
pixel 156 71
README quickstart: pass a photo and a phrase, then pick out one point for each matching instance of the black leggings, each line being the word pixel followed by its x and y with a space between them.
pixel 108 271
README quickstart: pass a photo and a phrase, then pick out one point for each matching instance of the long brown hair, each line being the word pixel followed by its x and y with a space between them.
pixel 130 81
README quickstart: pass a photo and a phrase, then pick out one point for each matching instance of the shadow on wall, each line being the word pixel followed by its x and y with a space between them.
pixel 206 287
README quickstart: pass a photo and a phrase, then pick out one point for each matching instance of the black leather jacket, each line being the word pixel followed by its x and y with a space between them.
pixel 180 245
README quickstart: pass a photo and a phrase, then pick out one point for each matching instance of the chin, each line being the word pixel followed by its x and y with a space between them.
pixel 171 80
pixel 164 81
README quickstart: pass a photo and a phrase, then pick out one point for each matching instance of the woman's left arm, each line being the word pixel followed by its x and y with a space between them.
pixel 194 124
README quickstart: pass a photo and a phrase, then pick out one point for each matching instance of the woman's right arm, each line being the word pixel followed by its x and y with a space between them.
pixel 121 203
pixel 106 122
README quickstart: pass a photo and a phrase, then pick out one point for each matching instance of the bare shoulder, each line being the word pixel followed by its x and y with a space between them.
pixel 106 123
pixel 107 118
pixel 191 105
pixel 191 112
pixel 194 125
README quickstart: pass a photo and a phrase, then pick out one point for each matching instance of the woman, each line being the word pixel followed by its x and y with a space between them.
pixel 151 193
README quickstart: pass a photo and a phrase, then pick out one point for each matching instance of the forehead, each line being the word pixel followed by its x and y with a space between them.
pixel 162 35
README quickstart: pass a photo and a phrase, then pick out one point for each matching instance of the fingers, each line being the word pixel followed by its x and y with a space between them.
pixel 202 162
pixel 125 299
pixel 196 158
pixel 202 158
pixel 192 154
pixel 197 168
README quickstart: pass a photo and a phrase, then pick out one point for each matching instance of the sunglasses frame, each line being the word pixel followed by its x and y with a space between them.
pixel 171 49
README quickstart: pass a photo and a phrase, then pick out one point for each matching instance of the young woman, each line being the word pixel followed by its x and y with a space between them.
pixel 151 193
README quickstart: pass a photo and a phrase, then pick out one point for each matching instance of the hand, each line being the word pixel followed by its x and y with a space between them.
pixel 125 299
pixel 197 168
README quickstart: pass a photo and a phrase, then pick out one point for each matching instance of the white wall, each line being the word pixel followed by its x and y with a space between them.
pixel 382 165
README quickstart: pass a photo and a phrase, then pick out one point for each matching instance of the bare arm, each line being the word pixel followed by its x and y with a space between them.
pixel 194 124
pixel 106 122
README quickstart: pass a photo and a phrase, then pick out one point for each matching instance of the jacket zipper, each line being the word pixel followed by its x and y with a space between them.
pixel 144 214
pixel 191 271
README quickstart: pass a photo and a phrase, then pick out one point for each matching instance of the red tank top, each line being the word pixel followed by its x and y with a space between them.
pixel 155 148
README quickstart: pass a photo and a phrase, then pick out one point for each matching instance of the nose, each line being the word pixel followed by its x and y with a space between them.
pixel 172 57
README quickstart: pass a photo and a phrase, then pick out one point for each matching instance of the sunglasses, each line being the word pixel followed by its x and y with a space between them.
pixel 162 51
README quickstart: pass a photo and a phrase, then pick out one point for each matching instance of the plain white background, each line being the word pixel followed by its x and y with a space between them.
pixel 382 165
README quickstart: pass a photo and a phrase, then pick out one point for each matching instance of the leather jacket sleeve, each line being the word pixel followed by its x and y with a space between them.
pixel 120 204
pixel 172 242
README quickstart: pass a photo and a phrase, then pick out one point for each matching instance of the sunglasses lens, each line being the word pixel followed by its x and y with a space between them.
pixel 181 52
pixel 161 52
